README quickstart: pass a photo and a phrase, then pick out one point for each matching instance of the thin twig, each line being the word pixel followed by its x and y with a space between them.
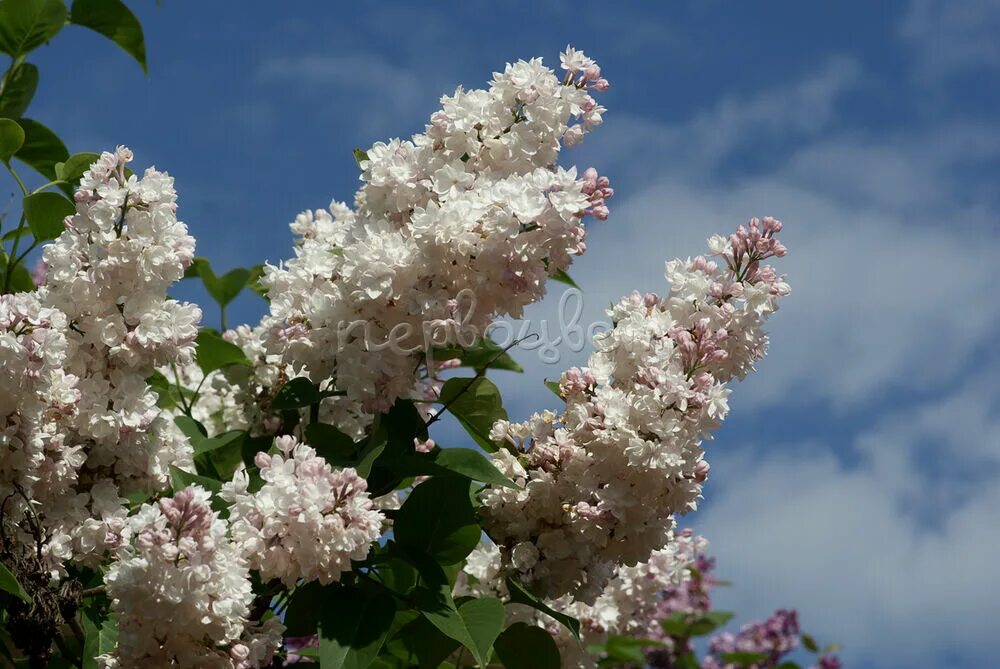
pixel 479 374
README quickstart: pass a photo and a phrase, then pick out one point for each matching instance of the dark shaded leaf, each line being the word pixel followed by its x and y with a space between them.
pixel 438 519
pixel 524 646
pixel 11 139
pixel 42 149
pixel 296 394
pixel 18 90
pixel 353 627
pixel 521 595
pixel 115 21
pixel 9 584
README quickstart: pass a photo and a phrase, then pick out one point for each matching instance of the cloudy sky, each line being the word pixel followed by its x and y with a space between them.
pixel 859 476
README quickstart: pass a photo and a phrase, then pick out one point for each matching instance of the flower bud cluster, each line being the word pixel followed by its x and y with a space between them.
pixel 307 521
pixel 603 479
pixel 83 428
pixel 451 229
pixel 182 592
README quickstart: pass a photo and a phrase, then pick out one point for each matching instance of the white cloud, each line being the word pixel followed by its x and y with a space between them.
pixel 952 37
pixel 393 97
pixel 855 548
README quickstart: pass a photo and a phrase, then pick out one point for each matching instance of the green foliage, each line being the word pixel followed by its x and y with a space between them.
pixel 625 649
pixel 115 21
pixel 17 89
pixel 438 518
pixel 99 639
pixel 180 479
pixel 562 277
pixel 11 139
pixel 223 289
pixel 215 353
pixel 9 584
pixel 42 149
pixel 46 212
pixel 684 625
pixel 353 626
pixel 742 659
pixel 524 646
pixel 521 595
pixel 27 24
pixel 477 405
pixel 299 393
pixel 73 168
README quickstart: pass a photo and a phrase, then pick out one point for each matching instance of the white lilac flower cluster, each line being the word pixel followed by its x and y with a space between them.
pixel 454 227
pixel 82 427
pixel 307 521
pixel 602 480
pixel 627 605
pixel 182 592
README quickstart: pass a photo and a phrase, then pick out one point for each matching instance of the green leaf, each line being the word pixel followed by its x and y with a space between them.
pixel 220 441
pixel 676 625
pixel 484 353
pixel 461 461
pixel 21 281
pixel 42 149
pixel 192 429
pixel 46 212
pixel 353 627
pixel 477 405
pixel 438 519
pixel 214 352
pixel 180 479
pixel 225 288
pixel 296 394
pixel 11 139
pixel 17 90
pixel 524 646
pixel 253 281
pixel 74 167
pixel 563 277
pixel 331 444
pixel 301 616
pixel 27 24
pixel 810 643
pixel 709 622
pixel 434 601
pixel 521 595
pixel 742 659
pixel 9 584
pixel 99 640
pixel 554 387
pixel 360 155
pixel 430 645
pixel 484 621
pixel 112 19
pixel 629 649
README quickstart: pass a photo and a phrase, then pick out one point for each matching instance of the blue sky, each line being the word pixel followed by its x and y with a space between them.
pixel 859 475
